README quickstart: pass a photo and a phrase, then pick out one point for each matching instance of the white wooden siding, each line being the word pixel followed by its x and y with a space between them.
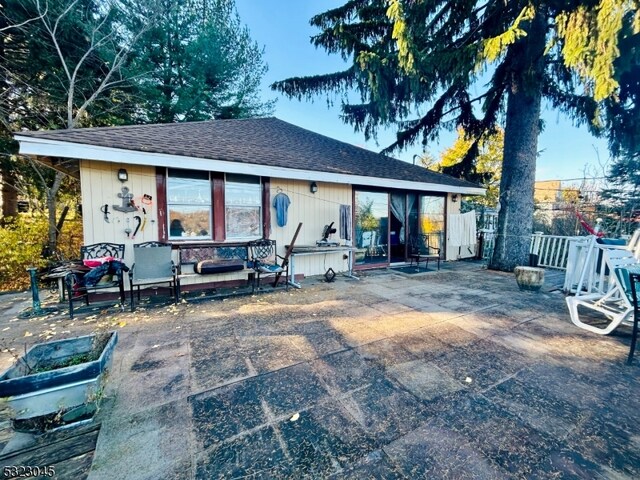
pixel 314 211
pixel 100 185
pixel 452 207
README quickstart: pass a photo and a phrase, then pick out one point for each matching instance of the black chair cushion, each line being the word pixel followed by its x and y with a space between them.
pixel 218 266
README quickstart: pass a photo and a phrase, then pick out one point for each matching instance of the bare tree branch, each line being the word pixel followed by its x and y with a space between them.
pixel 28 21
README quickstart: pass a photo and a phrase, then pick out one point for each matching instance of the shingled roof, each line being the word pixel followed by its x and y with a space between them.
pixel 259 141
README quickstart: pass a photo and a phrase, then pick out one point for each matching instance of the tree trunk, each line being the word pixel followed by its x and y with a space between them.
pixel 9 196
pixel 515 218
pixel 52 202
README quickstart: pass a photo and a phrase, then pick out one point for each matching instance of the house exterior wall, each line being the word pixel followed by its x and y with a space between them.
pixel 314 211
pixel 451 208
pixel 100 186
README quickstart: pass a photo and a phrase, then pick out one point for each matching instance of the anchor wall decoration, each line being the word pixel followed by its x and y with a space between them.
pixel 127 202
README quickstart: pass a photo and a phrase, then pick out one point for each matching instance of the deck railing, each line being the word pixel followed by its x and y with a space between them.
pixel 552 250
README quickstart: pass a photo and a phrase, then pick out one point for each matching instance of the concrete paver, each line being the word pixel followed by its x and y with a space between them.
pixel 450 374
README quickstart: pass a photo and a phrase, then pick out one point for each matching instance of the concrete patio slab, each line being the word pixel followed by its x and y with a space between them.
pixel 450 374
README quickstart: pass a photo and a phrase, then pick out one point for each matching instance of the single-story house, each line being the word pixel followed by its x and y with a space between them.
pixel 238 180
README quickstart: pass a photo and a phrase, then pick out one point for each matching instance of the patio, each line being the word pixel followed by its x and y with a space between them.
pixel 450 374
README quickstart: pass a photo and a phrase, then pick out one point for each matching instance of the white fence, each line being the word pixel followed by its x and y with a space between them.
pixel 581 258
pixel 552 250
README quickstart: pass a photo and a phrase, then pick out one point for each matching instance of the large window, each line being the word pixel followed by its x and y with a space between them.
pixel 233 209
pixel 242 206
pixel 189 204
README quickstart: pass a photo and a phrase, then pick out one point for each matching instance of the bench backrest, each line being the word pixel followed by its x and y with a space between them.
pixel 262 250
pixel 198 253
pixel 101 250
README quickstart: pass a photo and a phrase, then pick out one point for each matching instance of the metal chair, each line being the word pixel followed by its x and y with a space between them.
pixel 421 250
pixel 153 266
pixel 79 285
pixel 263 260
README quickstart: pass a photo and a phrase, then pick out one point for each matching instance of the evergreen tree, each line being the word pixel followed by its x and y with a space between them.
pixel 623 126
pixel 198 62
pixel 619 204
pixel 418 63
pixel 488 163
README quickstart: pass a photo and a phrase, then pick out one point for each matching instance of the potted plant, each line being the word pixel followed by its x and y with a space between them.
pixel 529 278
pixel 57 383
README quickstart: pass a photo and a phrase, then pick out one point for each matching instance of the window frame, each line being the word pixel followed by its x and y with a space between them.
pixel 209 206
pixel 217 210
pixel 259 205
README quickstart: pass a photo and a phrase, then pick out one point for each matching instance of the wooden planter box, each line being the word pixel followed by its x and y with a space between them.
pixel 57 383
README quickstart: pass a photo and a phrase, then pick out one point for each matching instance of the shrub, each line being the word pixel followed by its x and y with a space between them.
pixel 23 240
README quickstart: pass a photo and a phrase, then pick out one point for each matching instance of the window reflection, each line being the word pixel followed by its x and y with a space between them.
pixel 243 206
pixel 371 227
pixel 189 204
pixel 432 218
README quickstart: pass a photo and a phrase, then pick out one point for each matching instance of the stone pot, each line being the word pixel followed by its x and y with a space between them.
pixel 529 278
pixel 57 383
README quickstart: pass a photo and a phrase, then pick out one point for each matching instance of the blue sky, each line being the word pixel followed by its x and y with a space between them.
pixel 282 28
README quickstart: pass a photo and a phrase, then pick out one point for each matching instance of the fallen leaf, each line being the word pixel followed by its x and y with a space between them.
pixel 28 334
pixel 122 324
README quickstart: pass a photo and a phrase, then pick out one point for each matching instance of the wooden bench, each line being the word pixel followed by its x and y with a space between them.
pixel 211 259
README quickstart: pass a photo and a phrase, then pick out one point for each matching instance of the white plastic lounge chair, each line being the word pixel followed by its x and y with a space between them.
pixel 634 244
pixel 611 297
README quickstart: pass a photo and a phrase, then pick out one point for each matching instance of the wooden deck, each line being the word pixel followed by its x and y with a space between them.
pixel 69 451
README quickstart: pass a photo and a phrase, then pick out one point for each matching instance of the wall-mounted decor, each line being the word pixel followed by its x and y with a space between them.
pixel 281 203
pixel 105 210
pixel 127 202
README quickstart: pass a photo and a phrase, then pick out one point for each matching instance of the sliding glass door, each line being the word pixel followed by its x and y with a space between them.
pixel 372 227
pixel 403 209
pixel 385 222
pixel 432 219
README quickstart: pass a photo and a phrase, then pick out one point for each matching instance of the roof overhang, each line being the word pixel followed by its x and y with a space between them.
pixel 68 166
pixel 40 147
